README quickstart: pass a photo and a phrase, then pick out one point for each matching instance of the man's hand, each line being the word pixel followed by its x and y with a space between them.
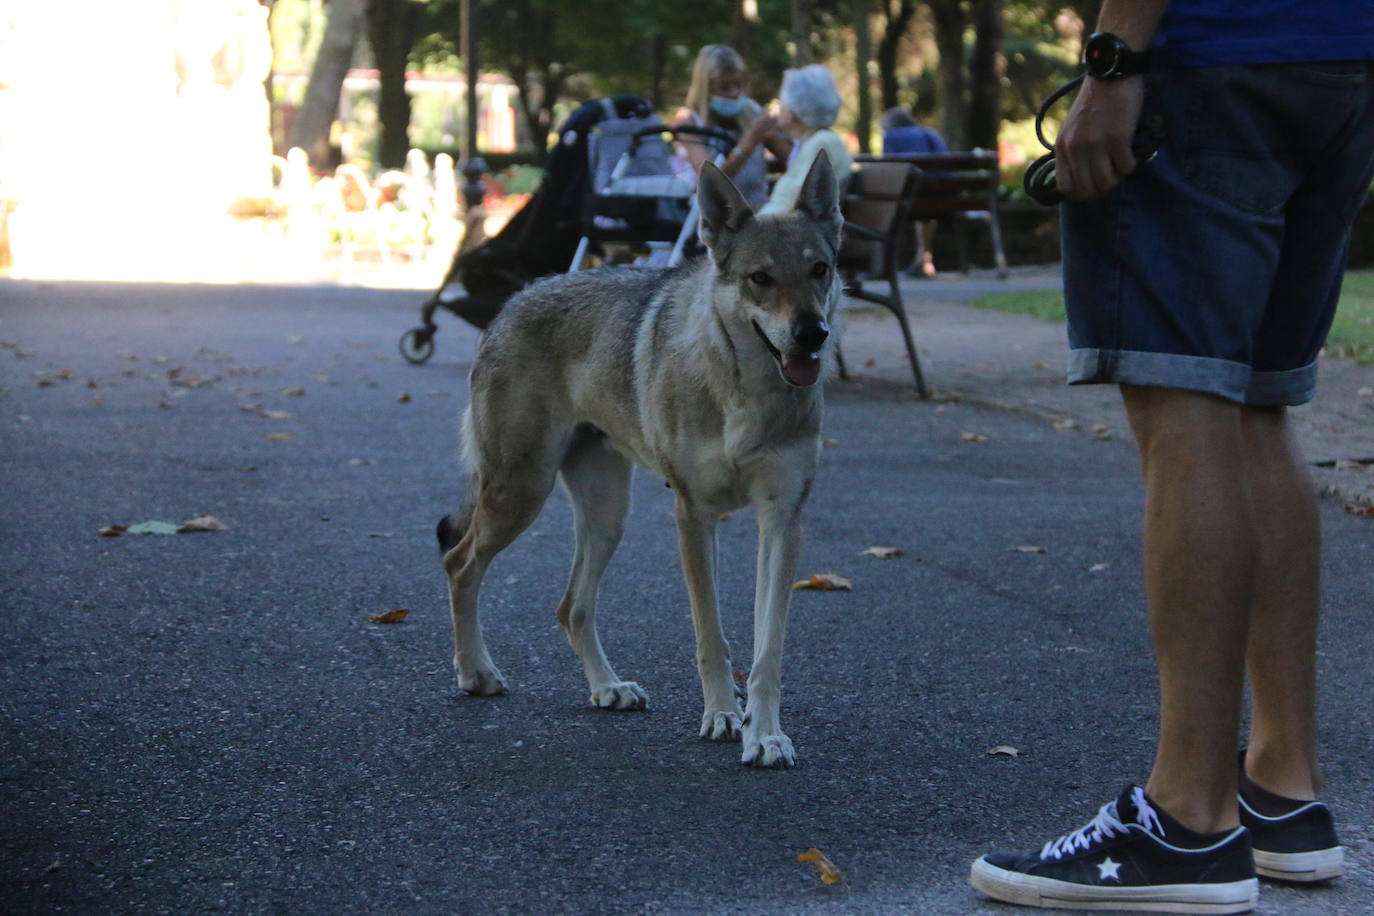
pixel 1093 151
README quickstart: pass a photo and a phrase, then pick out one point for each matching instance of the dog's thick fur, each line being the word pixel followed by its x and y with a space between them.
pixel 707 374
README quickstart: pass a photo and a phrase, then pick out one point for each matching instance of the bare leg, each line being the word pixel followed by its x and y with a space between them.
pixel 1201 553
pixel 1282 650
pixel 598 481
pixel 721 718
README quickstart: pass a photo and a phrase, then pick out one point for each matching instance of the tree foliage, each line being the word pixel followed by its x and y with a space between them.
pixel 980 60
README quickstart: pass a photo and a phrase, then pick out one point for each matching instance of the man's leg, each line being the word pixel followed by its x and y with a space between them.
pixel 1201 557
pixel 1282 648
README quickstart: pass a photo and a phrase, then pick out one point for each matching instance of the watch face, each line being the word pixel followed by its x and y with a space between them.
pixel 1102 54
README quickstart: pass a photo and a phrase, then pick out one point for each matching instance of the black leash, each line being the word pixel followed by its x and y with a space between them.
pixel 1039 180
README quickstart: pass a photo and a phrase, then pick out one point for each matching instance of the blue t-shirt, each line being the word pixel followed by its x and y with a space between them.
pixel 913 140
pixel 1205 33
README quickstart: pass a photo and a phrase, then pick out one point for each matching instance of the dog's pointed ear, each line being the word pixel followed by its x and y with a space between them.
pixel 723 208
pixel 820 196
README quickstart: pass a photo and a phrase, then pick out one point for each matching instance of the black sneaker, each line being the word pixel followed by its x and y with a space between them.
pixel 1294 840
pixel 1120 860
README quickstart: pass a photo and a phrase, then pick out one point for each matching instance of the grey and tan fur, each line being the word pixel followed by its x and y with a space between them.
pixel 707 374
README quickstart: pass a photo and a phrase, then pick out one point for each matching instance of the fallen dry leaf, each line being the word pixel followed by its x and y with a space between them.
pixel 1027 548
pixel 830 443
pixel 741 677
pixel 725 516
pixel 202 523
pixel 247 468
pixel 824 582
pixel 972 437
pixel 403 399
pixel 870 363
pixel 113 531
pixel 293 392
pixel 827 870
pixel 395 616
pixel 154 527
pixel 883 553
pixel 1003 750
pixel 1362 511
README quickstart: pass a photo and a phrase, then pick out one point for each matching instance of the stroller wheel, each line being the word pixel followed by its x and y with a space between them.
pixel 417 345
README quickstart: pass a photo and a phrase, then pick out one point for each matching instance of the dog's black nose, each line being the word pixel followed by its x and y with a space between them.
pixel 810 333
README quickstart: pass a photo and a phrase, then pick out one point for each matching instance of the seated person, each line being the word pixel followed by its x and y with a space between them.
pixel 902 135
pixel 717 98
pixel 809 104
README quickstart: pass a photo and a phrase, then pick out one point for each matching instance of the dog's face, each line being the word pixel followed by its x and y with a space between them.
pixel 778 272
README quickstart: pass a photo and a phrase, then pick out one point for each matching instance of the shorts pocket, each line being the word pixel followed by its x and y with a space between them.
pixel 1227 141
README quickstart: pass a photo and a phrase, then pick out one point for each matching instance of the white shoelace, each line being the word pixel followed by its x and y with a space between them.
pixel 1107 824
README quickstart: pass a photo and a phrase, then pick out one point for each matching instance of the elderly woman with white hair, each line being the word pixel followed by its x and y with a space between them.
pixel 810 104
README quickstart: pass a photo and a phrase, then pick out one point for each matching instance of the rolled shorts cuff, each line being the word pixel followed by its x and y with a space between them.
pixel 1226 379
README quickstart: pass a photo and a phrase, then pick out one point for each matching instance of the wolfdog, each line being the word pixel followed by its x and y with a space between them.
pixel 707 374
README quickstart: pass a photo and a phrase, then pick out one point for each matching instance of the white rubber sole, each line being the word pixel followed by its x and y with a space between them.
pixel 1301 867
pixel 1032 890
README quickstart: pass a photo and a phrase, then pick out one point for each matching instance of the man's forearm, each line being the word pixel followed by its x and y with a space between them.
pixel 1133 21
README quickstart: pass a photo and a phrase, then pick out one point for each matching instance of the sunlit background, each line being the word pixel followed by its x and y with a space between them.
pixel 144 150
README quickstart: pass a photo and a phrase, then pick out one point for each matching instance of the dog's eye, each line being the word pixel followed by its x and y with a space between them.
pixel 761 278
pixel 820 269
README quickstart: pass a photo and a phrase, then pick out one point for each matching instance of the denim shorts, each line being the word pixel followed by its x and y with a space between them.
pixel 1216 266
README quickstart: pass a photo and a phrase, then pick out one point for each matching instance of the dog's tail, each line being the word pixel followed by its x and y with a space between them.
pixel 452 527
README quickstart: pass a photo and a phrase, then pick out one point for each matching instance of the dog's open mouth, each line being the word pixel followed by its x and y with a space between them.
pixel 799 368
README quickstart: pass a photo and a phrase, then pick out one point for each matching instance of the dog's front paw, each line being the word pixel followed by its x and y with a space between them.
pixel 774 751
pixel 718 725
pixel 482 682
pixel 620 695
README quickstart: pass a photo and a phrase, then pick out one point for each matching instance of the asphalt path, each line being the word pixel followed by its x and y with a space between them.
pixel 210 721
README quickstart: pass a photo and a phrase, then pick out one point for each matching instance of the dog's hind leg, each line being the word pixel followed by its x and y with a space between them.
pixel 506 496
pixel 597 479
pixel 696 531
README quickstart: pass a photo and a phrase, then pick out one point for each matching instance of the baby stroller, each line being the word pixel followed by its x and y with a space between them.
pixel 635 197
pixel 561 218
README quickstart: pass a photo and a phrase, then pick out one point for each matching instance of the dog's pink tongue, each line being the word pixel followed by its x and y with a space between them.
pixel 801 369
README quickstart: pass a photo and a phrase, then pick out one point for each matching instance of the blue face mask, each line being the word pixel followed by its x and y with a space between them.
pixel 727 107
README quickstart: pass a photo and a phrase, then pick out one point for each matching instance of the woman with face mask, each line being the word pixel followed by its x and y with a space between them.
pixel 717 98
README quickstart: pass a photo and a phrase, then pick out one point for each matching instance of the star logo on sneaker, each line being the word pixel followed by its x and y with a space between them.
pixel 1108 869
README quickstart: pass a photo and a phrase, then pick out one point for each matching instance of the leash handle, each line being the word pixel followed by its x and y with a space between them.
pixel 1039 180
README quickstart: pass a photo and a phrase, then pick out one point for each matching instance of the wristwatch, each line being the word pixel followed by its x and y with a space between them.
pixel 1109 58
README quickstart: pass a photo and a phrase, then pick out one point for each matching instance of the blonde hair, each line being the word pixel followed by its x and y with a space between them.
pixel 713 61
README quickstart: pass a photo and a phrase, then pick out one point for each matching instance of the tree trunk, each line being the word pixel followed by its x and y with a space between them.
pixel 863 54
pixel 743 18
pixel 898 19
pixel 950 20
pixel 393 26
pixel 659 50
pixel 278 141
pixel 1088 11
pixel 310 130
pixel 985 75
pixel 801 32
